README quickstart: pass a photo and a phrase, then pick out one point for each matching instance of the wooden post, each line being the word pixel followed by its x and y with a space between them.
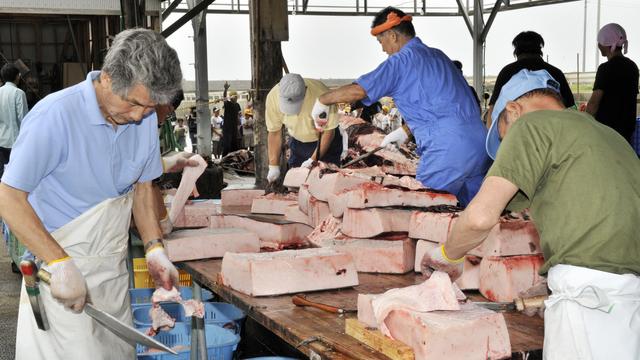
pixel 269 26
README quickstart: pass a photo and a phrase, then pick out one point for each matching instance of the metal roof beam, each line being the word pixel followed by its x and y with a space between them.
pixel 174 4
pixel 186 17
pixel 465 16
pixel 494 12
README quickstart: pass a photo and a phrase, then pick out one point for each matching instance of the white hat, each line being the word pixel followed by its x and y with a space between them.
pixel 292 90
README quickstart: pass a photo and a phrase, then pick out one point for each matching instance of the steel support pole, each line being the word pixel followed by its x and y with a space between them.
pixel 198 338
pixel 478 49
pixel 597 30
pixel 203 114
pixel 584 38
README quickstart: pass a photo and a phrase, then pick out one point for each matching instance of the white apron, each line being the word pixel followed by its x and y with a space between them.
pixel 97 242
pixel 591 315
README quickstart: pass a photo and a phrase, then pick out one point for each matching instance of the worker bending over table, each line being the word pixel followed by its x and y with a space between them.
pixel 435 101
pixel 581 181
pixel 289 104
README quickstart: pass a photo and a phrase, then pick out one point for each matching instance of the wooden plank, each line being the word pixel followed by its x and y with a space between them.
pixel 318 333
pixel 394 349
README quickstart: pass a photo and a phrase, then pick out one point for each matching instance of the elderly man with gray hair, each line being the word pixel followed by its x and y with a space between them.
pixel 82 164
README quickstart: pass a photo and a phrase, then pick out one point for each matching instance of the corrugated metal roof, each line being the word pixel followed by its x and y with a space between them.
pixel 70 7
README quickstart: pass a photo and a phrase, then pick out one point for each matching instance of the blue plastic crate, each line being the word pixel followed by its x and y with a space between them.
pixel 220 314
pixel 221 344
pixel 140 297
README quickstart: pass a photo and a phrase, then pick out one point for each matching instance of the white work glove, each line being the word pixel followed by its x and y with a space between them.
pixel 274 173
pixel 176 162
pixel 67 284
pixel 436 260
pixel 398 136
pixel 345 143
pixel 318 109
pixel 161 269
pixel 307 163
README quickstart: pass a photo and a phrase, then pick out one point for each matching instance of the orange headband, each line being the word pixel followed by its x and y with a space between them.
pixel 392 20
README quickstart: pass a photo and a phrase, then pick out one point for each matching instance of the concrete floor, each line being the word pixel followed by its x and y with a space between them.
pixel 9 298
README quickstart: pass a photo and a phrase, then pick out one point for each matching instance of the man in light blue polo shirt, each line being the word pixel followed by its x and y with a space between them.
pixel 82 164
pixel 435 101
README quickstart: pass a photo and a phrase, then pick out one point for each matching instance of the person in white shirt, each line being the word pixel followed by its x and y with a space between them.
pixel 13 107
pixel 216 131
pixel 382 120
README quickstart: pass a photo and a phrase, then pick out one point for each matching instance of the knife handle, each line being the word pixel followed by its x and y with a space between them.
pixel 528 303
pixel 45 276
pixel 301 301
pixel 28 269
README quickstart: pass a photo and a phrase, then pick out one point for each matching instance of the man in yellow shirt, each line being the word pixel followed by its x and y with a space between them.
pixel 289 103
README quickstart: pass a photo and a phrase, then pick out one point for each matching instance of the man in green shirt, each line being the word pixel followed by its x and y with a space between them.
pixel 581 181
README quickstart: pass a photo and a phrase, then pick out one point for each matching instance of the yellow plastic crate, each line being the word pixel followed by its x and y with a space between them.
pixel 142 279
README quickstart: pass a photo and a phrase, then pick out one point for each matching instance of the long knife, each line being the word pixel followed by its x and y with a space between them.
pixel 519 304
pixel 362 157
pixel 301 300
pixel 29 269
pixel 114 325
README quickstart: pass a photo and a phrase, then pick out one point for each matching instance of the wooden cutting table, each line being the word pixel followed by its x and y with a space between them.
pixel 321 335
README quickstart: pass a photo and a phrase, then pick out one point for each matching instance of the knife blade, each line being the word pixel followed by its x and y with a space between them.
pixel 120 329
pixel 518 304
pixel 28 269
pixel 364 156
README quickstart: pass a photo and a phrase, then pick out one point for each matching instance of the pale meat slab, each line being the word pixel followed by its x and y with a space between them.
pixel 197 214
pixel 470 278
pixel 303 198
pixel 365 310
pixel 187 186
pixel 273 235
pixel 512 237
pixel 368 223
pixel 327 230
pixel 380 255
pixel 471 333
pixel 273 203
pixel 183 245
pixel 368 195
pixel 432 226
pixel 317 211
pixel 289 271
pixel 322 183
pixel 294 214
pixel 436 293
pixel 503 278
pixel 239 197
pixel 295 177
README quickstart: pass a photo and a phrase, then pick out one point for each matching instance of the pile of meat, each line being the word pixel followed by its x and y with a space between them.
pixel 161 321
pixel 240 160
pixel 365 137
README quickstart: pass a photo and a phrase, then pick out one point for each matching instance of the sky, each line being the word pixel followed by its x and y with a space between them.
pixel 340 47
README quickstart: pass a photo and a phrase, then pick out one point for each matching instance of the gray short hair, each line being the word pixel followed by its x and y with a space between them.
pixel 141 56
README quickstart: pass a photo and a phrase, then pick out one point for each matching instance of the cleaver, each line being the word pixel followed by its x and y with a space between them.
pixel 120 329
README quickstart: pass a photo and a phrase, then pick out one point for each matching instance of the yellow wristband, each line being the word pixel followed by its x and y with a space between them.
pixel 154 248
pixel 444 255
pixel 59 260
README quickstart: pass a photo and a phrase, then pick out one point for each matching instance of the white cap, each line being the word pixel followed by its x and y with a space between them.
pixel 292 91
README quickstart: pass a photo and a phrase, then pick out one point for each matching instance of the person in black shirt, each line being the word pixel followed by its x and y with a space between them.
pixel 615 91
pixel 527 48
pixel 231 124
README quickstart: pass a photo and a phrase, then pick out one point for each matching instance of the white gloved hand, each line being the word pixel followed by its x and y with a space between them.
pixel 67 284
pixel 345 143
pixel 274 173
pixel 307 163
pixel 178 161
pixel 161 269
pixel 436 260
pixel 398 136
pixel 166 225
pixel 318 109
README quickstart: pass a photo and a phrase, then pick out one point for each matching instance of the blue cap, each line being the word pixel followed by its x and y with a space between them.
pixel 519 84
